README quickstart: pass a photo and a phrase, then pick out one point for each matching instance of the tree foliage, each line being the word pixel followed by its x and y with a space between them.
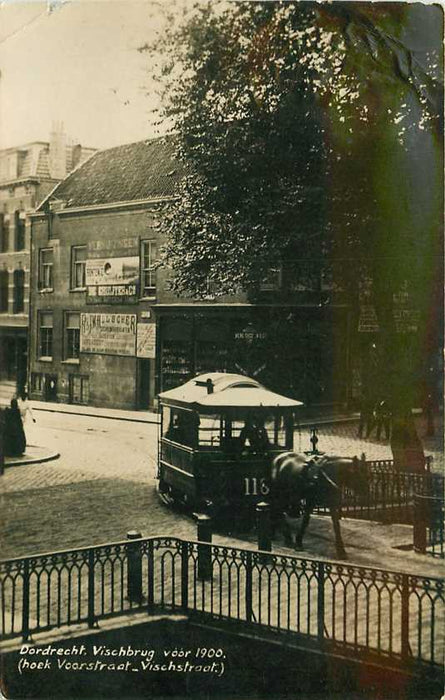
pixel 304 127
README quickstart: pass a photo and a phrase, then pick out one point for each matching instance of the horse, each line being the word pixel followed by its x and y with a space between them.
pixel 316 481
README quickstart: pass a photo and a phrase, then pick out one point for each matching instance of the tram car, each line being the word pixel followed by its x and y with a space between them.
pixel 219 433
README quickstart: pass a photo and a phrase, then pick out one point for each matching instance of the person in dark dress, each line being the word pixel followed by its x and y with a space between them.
pixel 14 438
pixel 383 419
pixel 366 414
pixel 406 446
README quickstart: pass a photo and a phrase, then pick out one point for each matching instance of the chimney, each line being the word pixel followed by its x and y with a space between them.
pixel 57 152
pixel 77 155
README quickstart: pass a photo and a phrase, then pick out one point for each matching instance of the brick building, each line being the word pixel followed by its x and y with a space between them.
pixel 106 328
pixel 27 174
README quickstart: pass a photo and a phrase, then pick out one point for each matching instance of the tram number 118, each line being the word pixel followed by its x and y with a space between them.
pixel 255 487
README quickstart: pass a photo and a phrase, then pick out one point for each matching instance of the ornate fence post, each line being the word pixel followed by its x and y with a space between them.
pixel 91 615
pixel 419 524
pixel 185 575
pixel 404 632
pixel 384 514
pixel 263 527
pixel 365 467
pixel 249 599
pixel 134 567
pixel 2 442
pixel 320 602
pixel 25 601
pixel 151 576
pixel 204 550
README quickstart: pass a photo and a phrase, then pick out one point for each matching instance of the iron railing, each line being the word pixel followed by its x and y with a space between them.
pixel 391 493
pixel 428 526
pixel 362 610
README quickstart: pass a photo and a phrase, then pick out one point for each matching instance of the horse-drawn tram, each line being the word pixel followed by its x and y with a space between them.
pixel 219 434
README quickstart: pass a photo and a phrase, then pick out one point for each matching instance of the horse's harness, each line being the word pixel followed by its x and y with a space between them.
pixel 320 472
pixel 329 480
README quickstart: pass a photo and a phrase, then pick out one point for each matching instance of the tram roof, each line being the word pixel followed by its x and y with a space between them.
pixel 230 391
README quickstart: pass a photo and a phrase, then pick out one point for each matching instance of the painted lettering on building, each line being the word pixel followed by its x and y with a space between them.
pixel 108 334
pixel 146 340
pixel 110 271
pixel 107 247
pixel 249 333
pixel 368 322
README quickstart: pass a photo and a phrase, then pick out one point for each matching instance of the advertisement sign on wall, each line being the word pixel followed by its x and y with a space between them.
pixel 146 340
pixel 108 334
pixel 112 277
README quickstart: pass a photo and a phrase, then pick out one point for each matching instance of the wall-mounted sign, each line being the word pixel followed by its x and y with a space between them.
pixel 105 247
pixel 108 334
pixel 250 333
pixel 146 340
pixel 109 272
pixel 406 317
pixel 368 322
pixel 406 320
pixel 112 280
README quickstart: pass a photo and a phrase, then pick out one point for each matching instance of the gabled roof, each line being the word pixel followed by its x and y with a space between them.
pixel 133 172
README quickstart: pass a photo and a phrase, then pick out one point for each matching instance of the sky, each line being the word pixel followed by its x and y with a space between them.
pixel 76 62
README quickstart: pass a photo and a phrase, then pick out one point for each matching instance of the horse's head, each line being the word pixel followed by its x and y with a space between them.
pixel 349 472
pixel 357 477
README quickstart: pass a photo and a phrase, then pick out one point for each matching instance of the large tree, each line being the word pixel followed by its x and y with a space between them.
pixel 312 133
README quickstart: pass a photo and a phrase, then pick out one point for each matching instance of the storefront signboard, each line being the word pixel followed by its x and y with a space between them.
pixel 146 340
pixel 112 277
pixel 368 322
pixel 108 334
pixel 250 333
pixel 104 247
pixel 406 320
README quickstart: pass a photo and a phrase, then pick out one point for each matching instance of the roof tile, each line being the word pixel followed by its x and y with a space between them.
pixel 142 170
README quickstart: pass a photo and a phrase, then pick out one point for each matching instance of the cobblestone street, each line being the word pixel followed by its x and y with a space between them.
pixel 103 485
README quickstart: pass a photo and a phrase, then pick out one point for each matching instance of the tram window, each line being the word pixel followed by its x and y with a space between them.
pixel 278 429
pixel 263 431
pixel 254 434
pixel 179 426
pixel 210 431
pixel 166 420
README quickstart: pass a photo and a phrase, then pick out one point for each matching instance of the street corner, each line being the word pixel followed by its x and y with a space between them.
pixel 34 455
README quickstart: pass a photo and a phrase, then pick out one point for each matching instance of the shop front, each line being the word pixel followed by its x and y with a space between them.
pixel 14 356
pixel 301 352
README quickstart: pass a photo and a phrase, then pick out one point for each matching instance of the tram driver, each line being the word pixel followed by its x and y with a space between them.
pixel 254 434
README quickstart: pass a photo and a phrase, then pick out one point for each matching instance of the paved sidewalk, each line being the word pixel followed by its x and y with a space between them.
pixel 33 455
pixel 317 415
pixel 142 416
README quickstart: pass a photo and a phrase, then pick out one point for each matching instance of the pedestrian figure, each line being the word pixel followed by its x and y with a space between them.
pixel 15 441
pixel 27 417
pixel 2 440
pixel 406 446
pixel 429 412
pixel 383 419
pixel 366 415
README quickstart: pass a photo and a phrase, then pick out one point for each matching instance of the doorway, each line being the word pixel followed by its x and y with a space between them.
pixel 50 387
pixel 144 383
